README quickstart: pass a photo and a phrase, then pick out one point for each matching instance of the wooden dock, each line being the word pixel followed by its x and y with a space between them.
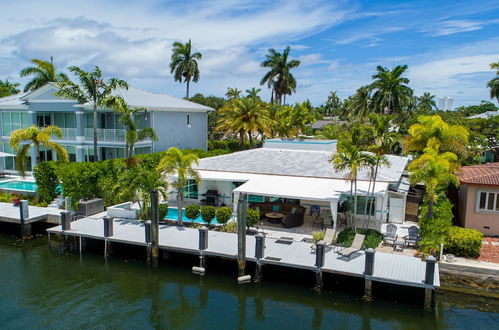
pixel 389 268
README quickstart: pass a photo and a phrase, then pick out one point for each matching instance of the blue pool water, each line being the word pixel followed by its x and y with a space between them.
pixel 173 215
pixel 19 186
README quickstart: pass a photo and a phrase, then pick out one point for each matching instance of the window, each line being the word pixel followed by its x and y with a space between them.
pixel 191 190
pixel 488 201
pixel 256 199
pixel 14 120
pixel 362 208
pixel 43 119
pixel 188 119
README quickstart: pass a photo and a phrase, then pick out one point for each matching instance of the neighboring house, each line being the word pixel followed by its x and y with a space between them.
pixel 478 205
pixel 178 123
pixel 298 172
pixel 485 115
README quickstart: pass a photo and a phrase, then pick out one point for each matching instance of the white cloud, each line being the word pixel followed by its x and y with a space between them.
pixel 449 27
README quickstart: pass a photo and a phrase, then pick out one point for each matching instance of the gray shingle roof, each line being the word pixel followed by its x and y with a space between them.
pixel 294 163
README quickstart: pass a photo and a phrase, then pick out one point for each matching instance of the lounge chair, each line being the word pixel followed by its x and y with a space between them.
pixel 355 247
pixel 328 239
pixel 413 237
pixel 391 234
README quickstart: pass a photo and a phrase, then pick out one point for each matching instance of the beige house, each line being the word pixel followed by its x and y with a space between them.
pixel 478 206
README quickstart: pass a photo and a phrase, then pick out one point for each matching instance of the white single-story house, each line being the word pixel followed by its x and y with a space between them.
pixel 299 172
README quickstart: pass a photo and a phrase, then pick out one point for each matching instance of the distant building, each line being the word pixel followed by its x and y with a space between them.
pixel 446 103
pixel 485 115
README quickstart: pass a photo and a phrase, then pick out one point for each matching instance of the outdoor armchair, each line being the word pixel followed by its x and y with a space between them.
pixel 413 237
pixel 391 234
pixel 355 247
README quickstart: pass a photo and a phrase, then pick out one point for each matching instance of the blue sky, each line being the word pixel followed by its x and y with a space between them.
pixel 448 45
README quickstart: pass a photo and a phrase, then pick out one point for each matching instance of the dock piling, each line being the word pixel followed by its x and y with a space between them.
pixel 154 228
pixel 429 279
pixel 320 256
pixel 147 232
pixel 108 226
pixel 203 245
pixel 65 225
pixel 23 217
pixel 259 254
pixel 368 272
pixel 241 235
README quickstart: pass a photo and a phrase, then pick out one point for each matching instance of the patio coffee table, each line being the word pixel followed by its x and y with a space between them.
pixel 398 245
pixel 274 217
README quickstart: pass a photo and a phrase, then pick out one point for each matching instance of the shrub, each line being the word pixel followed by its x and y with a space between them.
pixel 372 239
pixel 433 231
pixel 192 211
pixel 219 144
pixel 208 213
pixel 318 236
pixel 46 180
pixel 163 211
pixel 463 242
pixel 252 217
pixel 229 227
pixel 223 214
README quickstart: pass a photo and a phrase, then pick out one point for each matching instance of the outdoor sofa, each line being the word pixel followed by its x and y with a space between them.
pixel 293 214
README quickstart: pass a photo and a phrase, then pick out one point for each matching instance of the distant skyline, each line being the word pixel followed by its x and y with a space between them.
pixel 448 45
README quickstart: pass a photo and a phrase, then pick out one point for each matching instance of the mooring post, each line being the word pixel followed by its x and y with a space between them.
pixel 147 232
pixel 320 257
pixel 203 245
pixel 259 255
pixel 65 225
pixel 108 226
pixel 241 240
pixel 23 217
pixel 154 228
pixel 429 280
pixel 368 272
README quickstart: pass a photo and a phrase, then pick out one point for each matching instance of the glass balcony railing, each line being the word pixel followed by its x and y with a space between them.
pixel 67 134
pixel 109 135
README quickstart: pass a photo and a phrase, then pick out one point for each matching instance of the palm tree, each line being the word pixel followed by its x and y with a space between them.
pixel 333 102
pixel 253 92
pixel 44 72
pixel 391 93
pixel 22 139
pixel 330 132
pixel 92 90
pixel 360 103
pixel 184 63
pixel 435 170
pixel 493 84
pixel 133 134
pixel 7 88
pixel 279 77
pixel 176 163
pixel 426 102
pixel 246 116
pixel 233 93
pixel 382 139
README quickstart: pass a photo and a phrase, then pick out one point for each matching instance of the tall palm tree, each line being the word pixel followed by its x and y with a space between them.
pixel 426 102
pixel 435 169
pixel 333 102
pixel 179 164
pixel 43 73
pixel 350 158
pixel 493 84
pixel 253 92
pixel 279 77
pixel 330 132
pixel 92 90
pixel 382 140
pixel 133 134
pixel 7 88
pixel 391 91
pixel 233 93
pixel 246 116
pixel 184 64
pixel 360 103
pixel 23 139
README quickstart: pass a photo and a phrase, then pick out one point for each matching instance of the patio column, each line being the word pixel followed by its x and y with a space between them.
pixel 334 212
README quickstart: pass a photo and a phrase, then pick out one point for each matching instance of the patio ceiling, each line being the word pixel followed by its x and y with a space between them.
pixel 304 188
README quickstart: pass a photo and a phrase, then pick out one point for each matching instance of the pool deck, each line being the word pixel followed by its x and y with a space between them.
pixel 11 214
pixel 389 268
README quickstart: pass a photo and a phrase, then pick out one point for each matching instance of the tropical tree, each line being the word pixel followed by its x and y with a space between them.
pixel 279 77
pixel 253 92
pixel 43 72
pixel 233 93
pixel 451 138
pixel 360 103
pixel 136 184
pixel 244 116
pixel 426 102
pixel 7 88
pixel 391 93
pixel 179 166
pixel 332 104
pixel 92 90
pixel 133 134
pixel 23 139
pixel 184 64
pixel 493 84
pixel 435 169
pixel 330 132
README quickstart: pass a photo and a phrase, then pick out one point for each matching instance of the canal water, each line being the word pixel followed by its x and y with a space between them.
pixel 40 288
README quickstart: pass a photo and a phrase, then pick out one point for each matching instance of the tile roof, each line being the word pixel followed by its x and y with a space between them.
pixel 484 174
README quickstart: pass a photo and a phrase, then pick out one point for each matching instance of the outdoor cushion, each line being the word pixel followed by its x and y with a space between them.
pixel 293 210
pixel 275 208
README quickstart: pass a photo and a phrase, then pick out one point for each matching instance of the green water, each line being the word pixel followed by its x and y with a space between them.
pixel 41 288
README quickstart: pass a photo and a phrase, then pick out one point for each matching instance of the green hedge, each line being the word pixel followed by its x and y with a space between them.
pixel 192 211
pixel 230 145
pixel 372 240
pixel 46 181
pixel 208 213
pixel 252 217
pixel 463 242
pixel 223 214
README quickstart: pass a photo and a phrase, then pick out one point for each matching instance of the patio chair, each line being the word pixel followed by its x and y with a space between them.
pixel 355 247
pixel 391 234
pixel 413 237
pixel 328 239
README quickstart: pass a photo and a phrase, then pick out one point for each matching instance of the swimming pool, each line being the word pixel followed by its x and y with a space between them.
pixel 173 216
pixel 19 186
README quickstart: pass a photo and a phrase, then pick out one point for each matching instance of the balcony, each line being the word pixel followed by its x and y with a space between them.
pixel 68 134
pixel 106 135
